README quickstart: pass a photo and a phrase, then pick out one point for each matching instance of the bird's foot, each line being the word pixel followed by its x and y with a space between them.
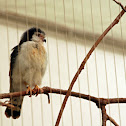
pixel 29 91
pixel 37 90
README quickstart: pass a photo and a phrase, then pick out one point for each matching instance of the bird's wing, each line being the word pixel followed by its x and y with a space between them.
pixel 13 59
pixel 16 101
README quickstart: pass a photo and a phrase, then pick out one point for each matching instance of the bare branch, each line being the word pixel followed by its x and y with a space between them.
pixel 120 5
pixel 46 90
pixel 14 94
pixel 84 62
pixel 104 115
pixel 112 120
pixel 100 102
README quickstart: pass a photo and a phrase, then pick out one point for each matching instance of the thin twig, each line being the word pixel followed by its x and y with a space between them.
pixel 83 64
pixel 6 105
pixel 120 5
pixel 112 120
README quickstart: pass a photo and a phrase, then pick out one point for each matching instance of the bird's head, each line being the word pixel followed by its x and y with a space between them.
pixel 33 34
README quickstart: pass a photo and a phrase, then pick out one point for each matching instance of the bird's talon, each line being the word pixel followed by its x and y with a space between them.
pixel 36 90
pixel 36 95
pixel 29 91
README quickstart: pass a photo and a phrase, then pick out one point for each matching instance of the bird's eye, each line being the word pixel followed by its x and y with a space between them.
pixel 38 34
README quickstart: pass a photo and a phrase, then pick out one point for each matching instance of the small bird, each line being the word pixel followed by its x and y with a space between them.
pixel 27 67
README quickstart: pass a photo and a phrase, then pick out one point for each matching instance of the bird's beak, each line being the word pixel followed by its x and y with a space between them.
pixel 42 38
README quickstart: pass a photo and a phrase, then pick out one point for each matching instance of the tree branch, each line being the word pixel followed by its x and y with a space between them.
pixel 100 102
pixel 84 62
pixel 46 90
pixel 104 115
pixel 120 5
pixel 112 120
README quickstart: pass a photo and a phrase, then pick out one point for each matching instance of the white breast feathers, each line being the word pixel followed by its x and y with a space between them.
pixel 30 64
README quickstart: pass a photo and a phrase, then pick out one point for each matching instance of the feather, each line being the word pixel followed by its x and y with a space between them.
pixel 15 113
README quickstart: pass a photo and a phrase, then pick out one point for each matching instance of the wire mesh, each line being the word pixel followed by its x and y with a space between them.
pixel 72 43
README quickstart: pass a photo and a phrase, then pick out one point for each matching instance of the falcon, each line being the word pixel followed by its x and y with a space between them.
pixel 27 67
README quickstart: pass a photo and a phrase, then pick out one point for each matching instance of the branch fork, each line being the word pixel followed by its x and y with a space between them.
pixel 100 102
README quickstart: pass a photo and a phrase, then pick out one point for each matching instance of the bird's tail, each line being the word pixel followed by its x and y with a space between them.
pixel 14 112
